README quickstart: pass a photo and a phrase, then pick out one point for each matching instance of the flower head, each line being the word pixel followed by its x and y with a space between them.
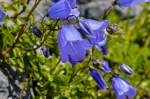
pixel 94 30
pixel 63 9
pixel 105 68
pixel 99 79
pixel 126 69
pixel 72 46
pixel 2 16
pixel 122 88
pixel 127 3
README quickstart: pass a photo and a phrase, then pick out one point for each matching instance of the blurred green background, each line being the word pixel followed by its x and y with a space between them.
pixel 47 78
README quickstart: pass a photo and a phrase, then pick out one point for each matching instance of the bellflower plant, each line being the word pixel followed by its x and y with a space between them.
pixel 122 88
pixel 127 3
pixel 94 30
pixel 126 69
pixel 2 16
pixel 99 79
pixel 105 68
pixel 72 46
pixel 63 9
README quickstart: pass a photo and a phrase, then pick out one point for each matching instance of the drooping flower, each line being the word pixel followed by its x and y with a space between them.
pixel 72 46
pixel 94 30
pixel 122 89
pixel 36 31
pixel 99 79
pixel 2 16
pixel 127 3
pixel 126 69
pixel 45 51
pixel 105 68
pixel 63 9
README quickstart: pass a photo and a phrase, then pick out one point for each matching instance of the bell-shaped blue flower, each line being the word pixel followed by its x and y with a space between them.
pixel 127 3
pixel 72 46
pixel 94 30
pixel 126 69
pixel 99 79
pixel 63 9
pixel 36 31
pixel 2 16
pixel 105 68
pixel 122 89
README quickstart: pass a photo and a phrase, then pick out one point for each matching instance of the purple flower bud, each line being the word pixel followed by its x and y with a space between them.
pixel 45 51
pixel 103 49
pixel 99 79
pixel 126 69
pixel 127 3
pixel 36 31
pixel 105 68
pixel 122 89
pixel 55 0
pixel 2 16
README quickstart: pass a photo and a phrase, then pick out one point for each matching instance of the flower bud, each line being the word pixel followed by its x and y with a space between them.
pixel 126 69
pixel 105 68
pixel 36 31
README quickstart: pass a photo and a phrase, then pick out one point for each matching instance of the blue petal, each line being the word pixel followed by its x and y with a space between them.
pixel 94 30
pixel 121 97
pixel 122 88
pixel 61 10
pixel 131 93
pixel 95 25
pixel 127 3
pixel 74 51
pixel 2 16
pixel 99 79
pixel 72 3
pixel 102 49
pixel 74 12
pixel 68 33
pixel 72 46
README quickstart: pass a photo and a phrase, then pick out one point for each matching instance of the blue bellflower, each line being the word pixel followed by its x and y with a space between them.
pixel 45 51
pixel 36 31
pixel 72 46
pixel 2 16
pixel 126 69
pixel 99 79
pixel 105 68
pixel 63 9
pixel 127 3
pixel 94 30
pixel 122 89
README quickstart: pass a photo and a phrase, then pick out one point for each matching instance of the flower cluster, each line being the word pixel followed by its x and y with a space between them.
pixel 75 39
